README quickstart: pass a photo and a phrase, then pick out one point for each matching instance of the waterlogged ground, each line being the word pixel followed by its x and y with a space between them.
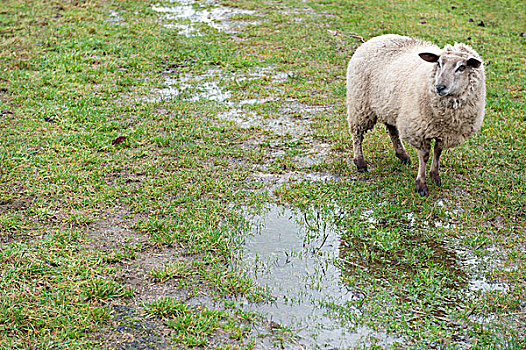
pixel 177 174
pixel 294 258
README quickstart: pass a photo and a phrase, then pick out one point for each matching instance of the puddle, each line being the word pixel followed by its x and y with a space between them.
pixel 209 91
pixel 115 17
pixel 476 266
pixel 291 256
pixel 316 153
pixel 484 285
pixel 411 220
pixel 206 87
pixel 255 101
pixel 479 266
pixel 290 117
pixel 280 124
pixel 185 14
pixel 192 88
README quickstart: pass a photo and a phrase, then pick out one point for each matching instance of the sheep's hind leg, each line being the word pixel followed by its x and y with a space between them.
pixel 357 138
pixel 433 172
pixel 397 144
pixel 359 124
pixel 423 157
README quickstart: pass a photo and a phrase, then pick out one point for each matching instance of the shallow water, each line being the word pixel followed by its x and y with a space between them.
pixel 115 17
pixel 192 88
pixel 292 256
pixel 280 124
pixel 475 267
pixel 291 117
pixel 184 14
pixel 478 267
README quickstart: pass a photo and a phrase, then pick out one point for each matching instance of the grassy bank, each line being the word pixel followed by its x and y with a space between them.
pixel 129 153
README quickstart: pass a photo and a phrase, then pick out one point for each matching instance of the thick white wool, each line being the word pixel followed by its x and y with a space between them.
pixel 388 82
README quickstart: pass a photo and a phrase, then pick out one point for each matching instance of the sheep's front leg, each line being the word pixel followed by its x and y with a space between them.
pixel 433 172
pixel 423 157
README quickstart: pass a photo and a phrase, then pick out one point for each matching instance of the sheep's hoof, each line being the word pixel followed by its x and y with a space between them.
pixel 361 165
pixel 404 158
pixel 435 178
pixel 421 188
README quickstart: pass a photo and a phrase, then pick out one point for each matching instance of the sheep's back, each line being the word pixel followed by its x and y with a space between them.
pixel 383 69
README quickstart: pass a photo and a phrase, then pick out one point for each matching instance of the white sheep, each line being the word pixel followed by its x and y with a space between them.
pixel 419 92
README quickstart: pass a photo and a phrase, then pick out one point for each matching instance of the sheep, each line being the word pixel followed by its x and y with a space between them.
pixel 420 92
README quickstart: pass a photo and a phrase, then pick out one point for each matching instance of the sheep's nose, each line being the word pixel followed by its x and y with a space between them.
pixel 441 89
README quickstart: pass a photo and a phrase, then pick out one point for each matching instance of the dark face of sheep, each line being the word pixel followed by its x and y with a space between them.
pixel 452 73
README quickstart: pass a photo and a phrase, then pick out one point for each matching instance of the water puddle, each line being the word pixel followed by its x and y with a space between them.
pixel 290 117
pixel 279 124
pixel 485 285
pixel 300 260
pixel 315 153
pixel 479 266
pixel 185 14
pixel 205 86
pixel 412 221
pixel 193 88
pixel 292 255
pixel 207 90
pixel 115 17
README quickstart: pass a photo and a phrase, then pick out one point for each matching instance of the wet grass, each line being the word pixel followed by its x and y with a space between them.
pixel 98 175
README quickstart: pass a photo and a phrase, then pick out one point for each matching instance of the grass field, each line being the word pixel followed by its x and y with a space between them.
pixel 137 143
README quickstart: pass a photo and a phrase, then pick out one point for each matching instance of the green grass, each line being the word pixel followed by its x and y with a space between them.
pixel 81 217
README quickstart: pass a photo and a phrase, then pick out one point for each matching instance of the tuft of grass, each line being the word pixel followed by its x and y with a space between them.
pixel 178 269
pixel 101 289
pixel 167 307
pixel 191 327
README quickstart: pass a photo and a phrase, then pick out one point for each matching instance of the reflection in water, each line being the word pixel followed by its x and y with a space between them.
pixel 338 278
pixel 292 255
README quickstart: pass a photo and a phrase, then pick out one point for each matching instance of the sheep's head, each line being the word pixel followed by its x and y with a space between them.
pixel 453 72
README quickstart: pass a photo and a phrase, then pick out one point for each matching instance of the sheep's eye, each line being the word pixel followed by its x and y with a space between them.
pixel 461 68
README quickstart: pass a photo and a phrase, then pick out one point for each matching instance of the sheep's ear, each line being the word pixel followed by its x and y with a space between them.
pixel 473 62
pixel 429 57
